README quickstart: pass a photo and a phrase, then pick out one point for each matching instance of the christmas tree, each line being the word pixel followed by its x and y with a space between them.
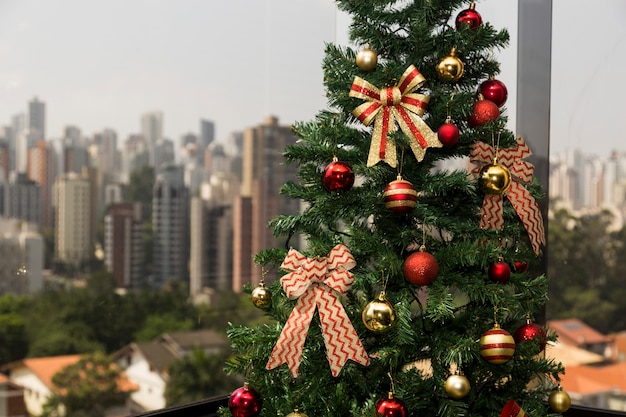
pixel 408 283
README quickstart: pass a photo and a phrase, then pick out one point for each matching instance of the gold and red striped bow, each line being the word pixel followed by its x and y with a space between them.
pixel 315 282
pixel 394 104
pixel 524 203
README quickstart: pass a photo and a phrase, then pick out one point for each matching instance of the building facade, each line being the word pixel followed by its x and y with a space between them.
pixel 123 244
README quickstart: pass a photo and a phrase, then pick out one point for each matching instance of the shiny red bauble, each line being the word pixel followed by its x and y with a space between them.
pixel 421 268
pixel 245 402
pixel 483 112
pixel 530 331
pixel 494 90
pixel 469 17
pixel 338 176
pixel 520 267
pixel 448 134
pixel 391 407
pixel 499 272
pixel 400 196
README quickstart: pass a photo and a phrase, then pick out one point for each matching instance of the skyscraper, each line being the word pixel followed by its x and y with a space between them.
pixel 152 131
pixel 73 224
pixel 123 244
pixel 37 119
pixel 170 220
pixel 264 172
pixel 42 169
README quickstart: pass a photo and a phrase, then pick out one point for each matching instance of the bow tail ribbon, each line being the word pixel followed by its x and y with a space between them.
pixel 382 149
pixel 419 133
pixel 528 210
pixel 290 343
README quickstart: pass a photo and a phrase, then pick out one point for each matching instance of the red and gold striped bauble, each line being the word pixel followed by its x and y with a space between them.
pixel 400 196
pixel 497 346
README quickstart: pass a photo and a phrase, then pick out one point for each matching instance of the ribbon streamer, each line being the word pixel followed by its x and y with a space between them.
pixel 389 105
pixel 524 203
pixel 315 282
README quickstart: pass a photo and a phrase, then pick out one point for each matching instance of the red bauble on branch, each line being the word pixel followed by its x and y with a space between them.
pixel 338 176
pixel 520 267
pixel 494 90
pixel 448 133
pixel 391 407
pixel 469 17
pixel 483 112
pixel 499 271
pixel 530 331
pixel 245 402
pixel 421 268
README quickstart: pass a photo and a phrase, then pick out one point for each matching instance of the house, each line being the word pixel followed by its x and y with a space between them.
pixel 147 363
pixel 575 332
pixel 11 398
pixel 597 386
pixel 34 375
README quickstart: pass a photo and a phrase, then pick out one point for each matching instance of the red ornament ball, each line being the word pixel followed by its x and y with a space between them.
pixel 245 402
pixel 494 90
pixel 391 407
pixel 469 17
pixel 421 268
pixel 530 331
pixel 520 266
pixel 483 112
pixel 400 196
pixel 499 272
pixel 497 346
pixel 448 134
pixel 338 176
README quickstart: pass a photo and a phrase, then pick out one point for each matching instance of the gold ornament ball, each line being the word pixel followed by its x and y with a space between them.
pixel 450 68
pixel 296 413
pixel 366 59
pixel 494 179
pixel 559 400
pixel 457 386
pixel 261 297
pixel 379 315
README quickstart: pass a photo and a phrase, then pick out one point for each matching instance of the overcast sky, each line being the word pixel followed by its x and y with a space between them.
pixel 103 64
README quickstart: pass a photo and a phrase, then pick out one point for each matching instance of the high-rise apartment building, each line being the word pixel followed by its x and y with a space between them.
pixel 41 168
pixel 5 159
pixel 134 156
pixel 21 258
pixel 37 119
pixel 123 244
pixel 264 172
pixel 152 131
pixel 73 222
pixel 170 222
pixel 211 257
pixel 23 200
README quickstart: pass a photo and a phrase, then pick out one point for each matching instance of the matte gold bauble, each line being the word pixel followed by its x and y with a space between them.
pixel 559 400
pixel 457 386
pixel 261 297
pixel 296 413
pixel 450 68
pixel 494 179
pixel 366 59
pixel 379 315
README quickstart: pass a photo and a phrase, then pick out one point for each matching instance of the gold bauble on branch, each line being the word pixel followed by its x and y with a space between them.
pixel 450 68
pixel 366 59
pixel 494 179
pixel 296 413
pixel 261 297
pixel 559 400
pixel 379 315
pixel 457 386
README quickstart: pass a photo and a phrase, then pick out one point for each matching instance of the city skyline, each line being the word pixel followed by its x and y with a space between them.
pixel 237 63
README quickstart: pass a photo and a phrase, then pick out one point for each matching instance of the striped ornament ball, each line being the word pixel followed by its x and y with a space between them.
pixel 497 346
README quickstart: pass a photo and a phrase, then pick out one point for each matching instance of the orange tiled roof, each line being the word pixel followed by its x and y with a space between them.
pixel 593 379
pixel 575 332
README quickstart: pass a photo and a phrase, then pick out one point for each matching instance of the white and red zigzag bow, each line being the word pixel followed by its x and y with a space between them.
pixel 315 281
pixel 524 203
pixel 394 104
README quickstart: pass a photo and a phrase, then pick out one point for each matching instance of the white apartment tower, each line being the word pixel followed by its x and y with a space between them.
pixel 73 222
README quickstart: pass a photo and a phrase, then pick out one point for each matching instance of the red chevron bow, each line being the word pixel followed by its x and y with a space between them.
pixel 390 105
pixel 521 199
pixel 315 281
